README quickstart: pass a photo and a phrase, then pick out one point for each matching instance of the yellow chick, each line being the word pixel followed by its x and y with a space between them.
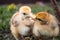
pixel 21 21
pixel 45 25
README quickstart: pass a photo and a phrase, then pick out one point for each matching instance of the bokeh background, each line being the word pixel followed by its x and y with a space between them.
pixel 9 7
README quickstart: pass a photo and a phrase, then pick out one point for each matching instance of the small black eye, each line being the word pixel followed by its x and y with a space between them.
pixel 24 14
pixel 40 19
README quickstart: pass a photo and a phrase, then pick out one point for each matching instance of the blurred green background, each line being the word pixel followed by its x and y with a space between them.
pixel 7 11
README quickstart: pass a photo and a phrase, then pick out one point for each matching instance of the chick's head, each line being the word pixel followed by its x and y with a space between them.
pixel 42 16
pixel 25 10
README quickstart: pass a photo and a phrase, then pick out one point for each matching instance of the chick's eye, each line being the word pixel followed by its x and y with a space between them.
pixel 24 14
pixel 40 19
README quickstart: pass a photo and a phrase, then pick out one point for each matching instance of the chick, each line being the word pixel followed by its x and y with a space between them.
pixel 45 25
pixel 21 22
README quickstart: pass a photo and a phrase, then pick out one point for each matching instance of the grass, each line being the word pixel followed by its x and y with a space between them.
pixel 6 14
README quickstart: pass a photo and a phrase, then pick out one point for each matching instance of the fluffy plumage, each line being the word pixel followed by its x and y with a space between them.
pixel 45 25
pixel 21 22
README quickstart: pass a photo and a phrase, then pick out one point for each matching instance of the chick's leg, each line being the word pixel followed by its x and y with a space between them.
pixel 16 36
pixel 14 32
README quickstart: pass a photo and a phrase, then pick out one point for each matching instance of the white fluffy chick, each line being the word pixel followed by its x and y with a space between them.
pixel 21 22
